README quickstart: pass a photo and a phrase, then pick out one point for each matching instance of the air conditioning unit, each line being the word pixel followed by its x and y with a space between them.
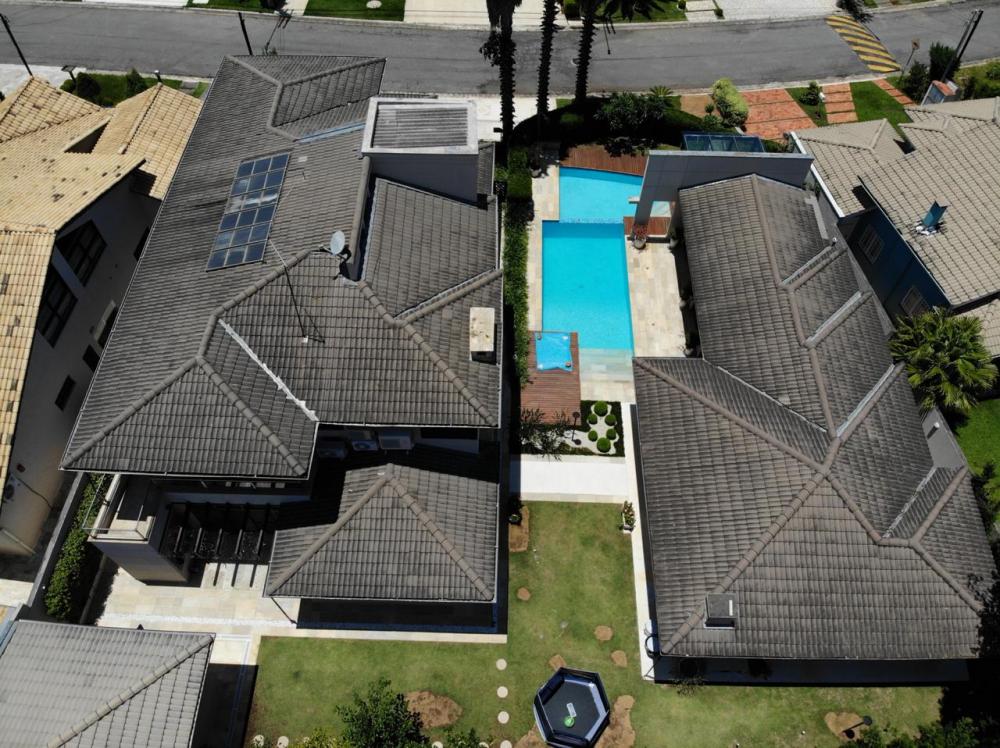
pixel 365 445
pixel 396 439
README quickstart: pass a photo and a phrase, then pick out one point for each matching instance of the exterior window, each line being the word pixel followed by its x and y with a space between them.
pixel 64 393
pixel 91 358
pixel 57 304
pixel 870 244
pixel 141 245
pixel 82 249
pixel 913 303
pixel 109 323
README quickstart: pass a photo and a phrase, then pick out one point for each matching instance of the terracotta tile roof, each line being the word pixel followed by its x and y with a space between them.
pixel 989 317
pixel 38 106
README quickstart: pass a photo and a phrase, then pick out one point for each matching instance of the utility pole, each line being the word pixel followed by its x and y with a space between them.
pixel 6 25
pixel 246 37
pixel 963 43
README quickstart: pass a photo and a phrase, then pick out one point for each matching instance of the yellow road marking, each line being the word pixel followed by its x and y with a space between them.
pixel 874 52
pixel 847 23
pixel 878 61
pixel 869 49
pixel 852 40
pixel 854 33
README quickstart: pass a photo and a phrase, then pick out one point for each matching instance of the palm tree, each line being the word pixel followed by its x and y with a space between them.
pixel 545 58
pixel 946 361
pixel 590 12
pixel 499 51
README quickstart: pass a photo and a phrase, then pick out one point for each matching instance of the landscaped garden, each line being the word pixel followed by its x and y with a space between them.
pixel 389 10
pixel 570 598
pixel 872 102
pixel 108 89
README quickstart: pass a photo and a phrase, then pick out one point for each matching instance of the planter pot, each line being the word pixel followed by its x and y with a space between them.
pixel 639 242
pixel 626 527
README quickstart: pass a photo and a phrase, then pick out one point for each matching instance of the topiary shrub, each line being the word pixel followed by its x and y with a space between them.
pixel 732 107
pixel 603 445
pixel 601 408
pixel 87 87
pixel 134 83
pixel 914 84
pixel 592 419
pixel 592 435
pixel 811 96
pixel 572 9
pixel 610 419
pixel 611 435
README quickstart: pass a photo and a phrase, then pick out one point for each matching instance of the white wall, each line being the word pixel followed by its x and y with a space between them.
pixel 122 217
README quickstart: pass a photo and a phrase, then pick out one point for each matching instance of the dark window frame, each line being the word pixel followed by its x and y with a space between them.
pixel 65 393
pixel 82 248
pixel 91 358
pixel 55 308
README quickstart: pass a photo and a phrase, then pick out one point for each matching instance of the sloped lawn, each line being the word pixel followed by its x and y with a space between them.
pixel 579 572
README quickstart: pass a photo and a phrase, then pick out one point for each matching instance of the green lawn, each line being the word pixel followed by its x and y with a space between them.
pixel 871 102
pixel 391 10
pixel 817 112
pixel 579 573
pixel 668 12
pixel 113 87
pixel 979 435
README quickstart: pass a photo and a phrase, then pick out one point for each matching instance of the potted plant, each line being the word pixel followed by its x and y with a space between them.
pixel 535 162
pixel 640 232
pixel 628 516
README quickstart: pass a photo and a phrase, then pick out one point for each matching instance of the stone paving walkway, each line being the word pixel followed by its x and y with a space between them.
pixel 773 112
pixel 895 93
pixel 839 104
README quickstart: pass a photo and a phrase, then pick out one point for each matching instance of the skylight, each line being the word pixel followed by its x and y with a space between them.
pixel 246 224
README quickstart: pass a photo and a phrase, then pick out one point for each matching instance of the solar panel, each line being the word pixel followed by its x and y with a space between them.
pixel 246 224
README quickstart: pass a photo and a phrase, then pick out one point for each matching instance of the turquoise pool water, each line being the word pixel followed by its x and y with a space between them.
pixel 553 350
pixel 584 275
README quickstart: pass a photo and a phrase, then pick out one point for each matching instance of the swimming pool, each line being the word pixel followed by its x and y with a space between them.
pixel 584 272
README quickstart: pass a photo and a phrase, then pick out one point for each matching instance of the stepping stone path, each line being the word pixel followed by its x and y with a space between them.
pixel 502 692
pixel 895 93
pixel 437 744
pixel 604 633
pixel 501 664
pixel 556 662
pixel 839 104
pixel 503 718
pixel 282 742
pixel 506 744
pixel 523 593
pixel 619 658
pixel 773 112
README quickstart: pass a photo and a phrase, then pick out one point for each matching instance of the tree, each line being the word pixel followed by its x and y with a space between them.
pixel 499 50
pixel 946 361
pixel 589 10
pixel 940 57
pixel 381 718
pixel 856 9
pixel 627 9
pixel 134 83
pixel 540 436
pixel 916 81
pixel 545 59
pixel 87 87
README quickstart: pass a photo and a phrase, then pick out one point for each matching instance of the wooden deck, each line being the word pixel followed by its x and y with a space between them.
pixel 657 225
pixel 595 157
pixel 554 392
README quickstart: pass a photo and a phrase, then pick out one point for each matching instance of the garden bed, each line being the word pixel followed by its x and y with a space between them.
pixel 113 88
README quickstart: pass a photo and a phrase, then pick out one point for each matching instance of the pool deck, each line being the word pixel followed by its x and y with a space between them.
pixel 595 157
pixel 555 392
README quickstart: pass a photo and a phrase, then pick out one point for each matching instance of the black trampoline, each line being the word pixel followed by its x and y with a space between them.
pixel 572 709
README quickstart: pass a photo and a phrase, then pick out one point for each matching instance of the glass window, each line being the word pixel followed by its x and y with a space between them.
pixel 870 244
pixel 56 306
pixel 913 303
pixel 82 248
pixel 64 393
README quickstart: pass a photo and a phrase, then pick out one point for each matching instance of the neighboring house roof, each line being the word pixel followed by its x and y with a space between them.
pixel 788 467
pixel 44 186
pixel 989 317
pixel 101 687
pixel 422 526
pixel 842 152
pixel 206 372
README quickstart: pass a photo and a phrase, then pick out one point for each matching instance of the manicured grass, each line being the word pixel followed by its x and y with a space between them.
pixel 979 435
pixel 871 102
pixel 579 572
pixel 391 10
pixel 667 12
pixel 113 87
pixel 816 112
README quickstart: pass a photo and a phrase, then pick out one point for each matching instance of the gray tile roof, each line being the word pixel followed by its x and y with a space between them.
pixel 420 124
pixel 843 152
pixel 422 527
pixel 817 502
pixel 956 163
pixel 99 687
pixel 206 372
pixel 989 317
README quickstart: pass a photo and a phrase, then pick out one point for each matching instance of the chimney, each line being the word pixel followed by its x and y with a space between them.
pixel 482 334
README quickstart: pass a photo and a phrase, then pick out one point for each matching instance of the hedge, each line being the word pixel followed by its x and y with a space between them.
pixel 517 216
pixel 78 560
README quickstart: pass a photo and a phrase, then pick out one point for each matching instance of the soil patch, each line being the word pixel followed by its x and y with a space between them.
pixel 837 722
pixel 619 733
pixel 519 535
pixel 434 710
pixel 556 662
pixel 604 633
pixel 619 658
pixel 524 594
pixel 532 740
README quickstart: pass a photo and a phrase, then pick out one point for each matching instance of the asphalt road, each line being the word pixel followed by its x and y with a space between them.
pixel 191 42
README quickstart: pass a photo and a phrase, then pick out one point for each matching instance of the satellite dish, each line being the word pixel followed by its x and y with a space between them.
pixel 337 242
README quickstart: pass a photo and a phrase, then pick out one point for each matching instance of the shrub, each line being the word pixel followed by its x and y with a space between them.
pixel 601 408
pixel 134 83
pixel 856 9
pixel 515 287
pixel 77 564
pixel 811 96
pixel 628 513
pixel 319 738
pixel 592 435
pixel 710 122
pixel 682 4
pixel 914 84
pixel 519 186
pixel 611 435
pixel 603 445
pixel 977 87
pixel 470 739
pixel 537 435
pixel 87 87
pixel 592 419
pixel 610 419
pixel 572 9
pixel 731 105
pixel 992 71
pixel 940 57
pixel 380 718
pixel 719 12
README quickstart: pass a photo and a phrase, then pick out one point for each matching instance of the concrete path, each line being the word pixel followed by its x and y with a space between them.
pixel 468 13
pixel 773 10
pixel 570 478
pixel 839 104
pixel 13 75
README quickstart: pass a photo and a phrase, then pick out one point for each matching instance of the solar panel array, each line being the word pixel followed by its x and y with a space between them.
pixel 246 224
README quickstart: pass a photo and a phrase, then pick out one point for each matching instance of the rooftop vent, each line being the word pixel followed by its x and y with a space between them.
pixel 720 611
pixel 932 221
pixel 482 334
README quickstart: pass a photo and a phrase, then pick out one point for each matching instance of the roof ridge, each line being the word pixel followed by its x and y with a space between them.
pixel 910 501
pixel 439 362
pixel 13 99
pixel 835 320
pixel 729 414
pixel 324 538
pixel 425 519
pixel 360 62
pixel 247 412
pixel 869 401
pixel 814 265
pixel 942 500
pixel 141 118
pixel 960 589
pixel 131 691
pixel 747 559
pixel 448 296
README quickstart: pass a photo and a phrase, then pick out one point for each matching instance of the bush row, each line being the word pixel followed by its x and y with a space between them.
pixel 517 216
